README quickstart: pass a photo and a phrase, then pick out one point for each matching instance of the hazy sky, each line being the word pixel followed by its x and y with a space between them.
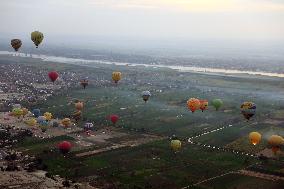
pixel 146 19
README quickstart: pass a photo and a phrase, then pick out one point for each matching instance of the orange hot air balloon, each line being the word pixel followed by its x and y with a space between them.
pixel 203 105
pixel 193 104
pixel 254 137
pixel 275 141
pixel 79 105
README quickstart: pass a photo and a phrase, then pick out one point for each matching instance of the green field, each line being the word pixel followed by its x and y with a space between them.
pixel 154 165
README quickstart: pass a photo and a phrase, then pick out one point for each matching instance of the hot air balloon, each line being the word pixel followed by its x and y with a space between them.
pixel 275 141
pixel 16 44
pixel 79 105
pixel 66 122
pixel 203 105
pixel 41 119
pixel 64 147
pixel 217 103
pixel 88 126
pixel 146 95
pixel 77 115
pixel 31 122
pixel 37 38
pixel 114 118
pixel 53 76
pixel 17 112
pixel 116 76
pixel 36 112
pixel 175 145
pixel 48 116
pixel 84 83
pixel 193 104
pixel 25 111
pixel 248 109
pixel 254 137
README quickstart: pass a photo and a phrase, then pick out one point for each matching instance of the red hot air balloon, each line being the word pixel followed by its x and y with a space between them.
pixel 114 118
pixel 64 147
pixel 53 76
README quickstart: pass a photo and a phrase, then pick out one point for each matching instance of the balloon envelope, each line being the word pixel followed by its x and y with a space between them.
pixel 254 137
pixel 203 105
pixel 217 103
pixel 116 76
pixel 248 109
pixel 37 38
pixel 114 118
pixel 193 104
pixel 175 145
pixel 275 141
pixel 64 147
pixel 79 105
pixel 16 44
pixel 146 95
pixel 53 76
pixel 36 112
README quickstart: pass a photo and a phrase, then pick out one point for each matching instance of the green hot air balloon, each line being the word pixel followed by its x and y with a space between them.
pixel 217 103
pixel 37 38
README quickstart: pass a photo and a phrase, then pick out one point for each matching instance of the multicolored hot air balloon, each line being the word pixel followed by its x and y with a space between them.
pixel 217 103
pixel 36 112
pixel 275 141
pixel 66 122
pixel 248 109
pixel 64 147
pixel 37 38
pixel 203 105
pixel 146 95
pixel 77 115
pixel 53 76
pixel 16 44
pixel 84 83
pixel 193 104
pixel 175 145
pixel 17 112
pixel 116 76
pixel 79 105
pixel 114 118
pixel 25 111
pixel 254 137
pixel 88 126
pixel 41 119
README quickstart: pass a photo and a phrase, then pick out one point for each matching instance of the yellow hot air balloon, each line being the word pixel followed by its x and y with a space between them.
pixel 31 122
pixel 175 145
pixel 79 105
pixel 37 38
pixel 254 137
pixel 116 76
pixel 66 122
pixel 48 116
pixel 275 141
pixel 193 104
